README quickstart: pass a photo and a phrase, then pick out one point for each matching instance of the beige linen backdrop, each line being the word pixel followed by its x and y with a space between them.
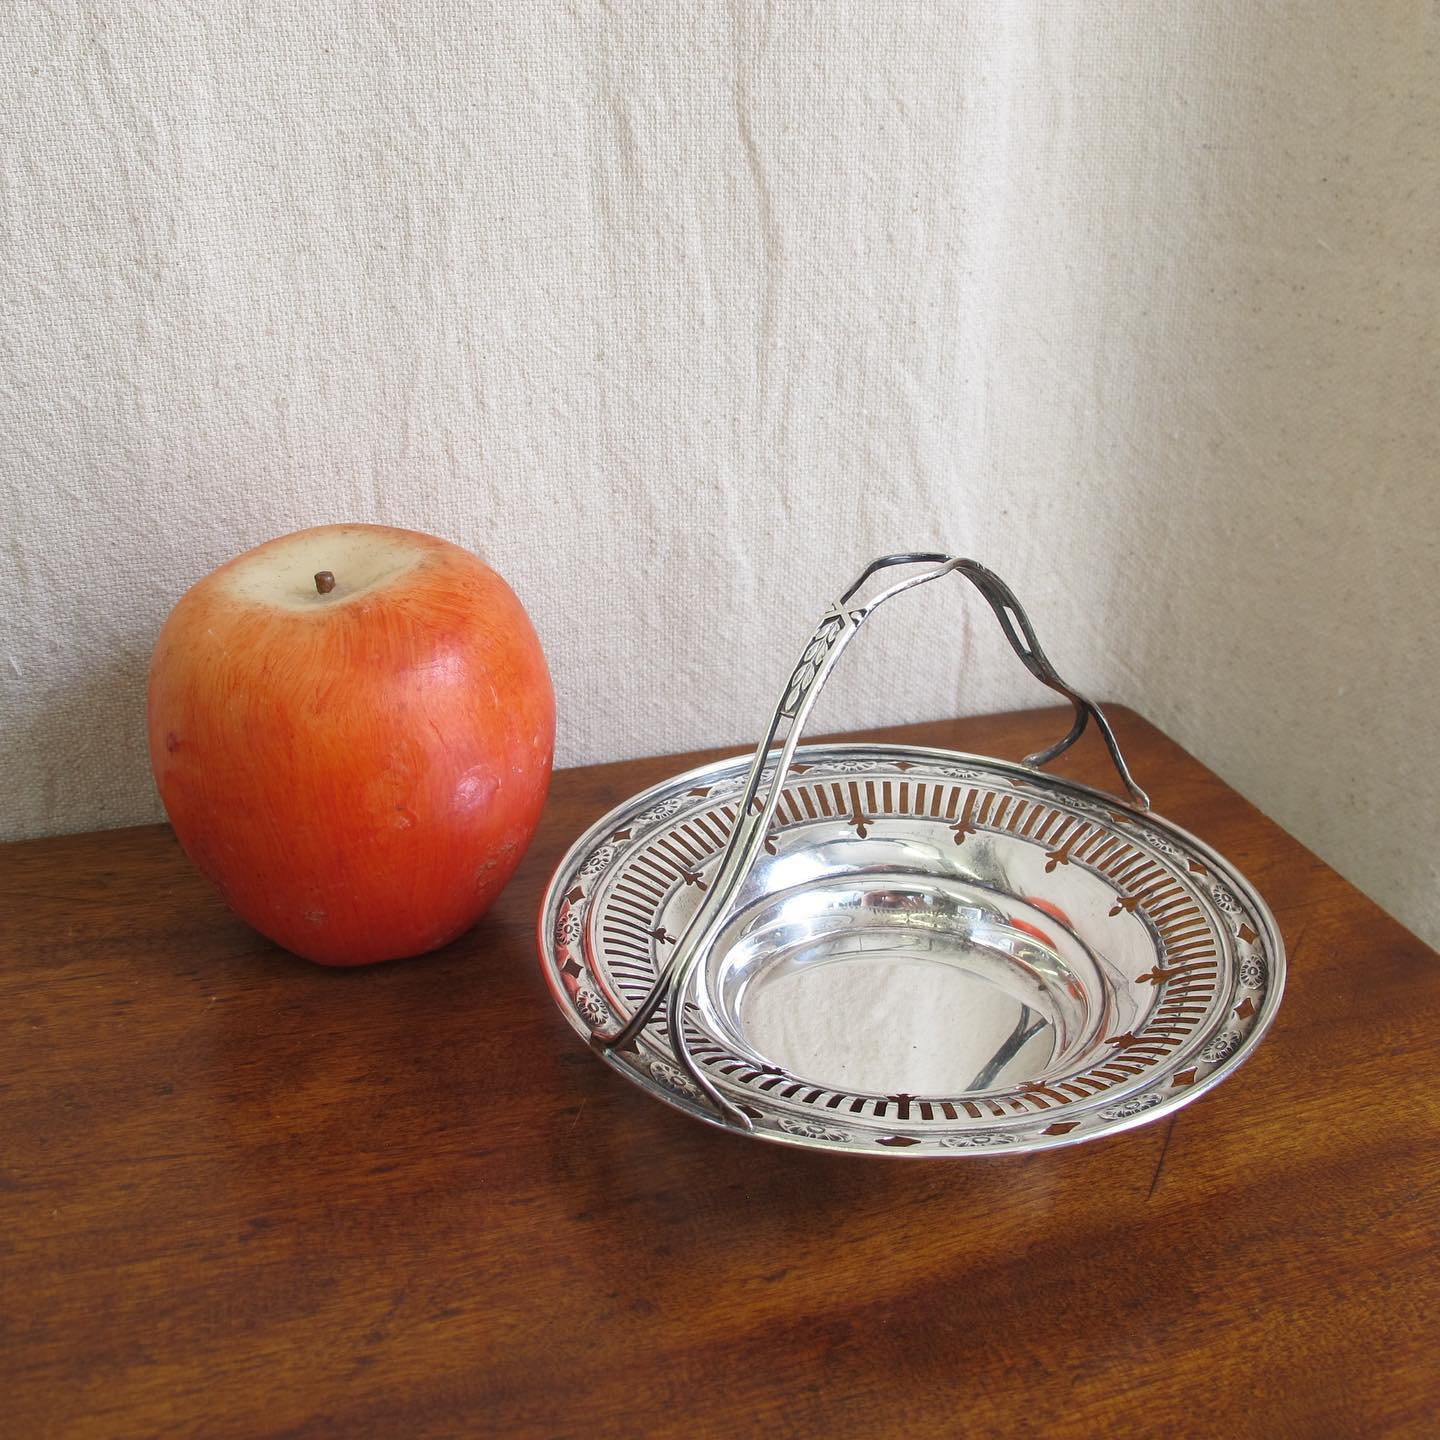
pixel 679 312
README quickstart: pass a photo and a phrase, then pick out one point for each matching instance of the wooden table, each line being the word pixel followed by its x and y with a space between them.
pixel 241 1195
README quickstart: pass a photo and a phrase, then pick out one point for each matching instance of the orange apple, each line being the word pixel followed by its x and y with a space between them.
pixel 352 730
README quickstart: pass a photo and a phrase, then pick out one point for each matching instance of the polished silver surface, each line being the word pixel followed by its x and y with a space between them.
pixel 897 950
pixel 888 980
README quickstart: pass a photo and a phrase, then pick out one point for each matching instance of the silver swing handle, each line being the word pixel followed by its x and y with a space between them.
pixel 838 627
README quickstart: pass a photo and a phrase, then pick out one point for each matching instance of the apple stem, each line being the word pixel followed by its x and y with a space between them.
pixel 324 582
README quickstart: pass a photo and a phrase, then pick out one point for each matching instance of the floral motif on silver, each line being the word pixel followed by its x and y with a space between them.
pixel 673 1078
pixel 812 1129
pixel 592 1009
pixel 1222 1047
pixel 980 1140
pixel 1135 1105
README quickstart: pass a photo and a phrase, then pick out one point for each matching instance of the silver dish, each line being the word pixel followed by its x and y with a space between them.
pixel 898 950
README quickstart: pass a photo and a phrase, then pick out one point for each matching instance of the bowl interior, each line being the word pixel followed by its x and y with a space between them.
pixel 896 982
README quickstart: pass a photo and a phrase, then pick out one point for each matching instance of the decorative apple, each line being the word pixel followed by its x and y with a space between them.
pixel 352 730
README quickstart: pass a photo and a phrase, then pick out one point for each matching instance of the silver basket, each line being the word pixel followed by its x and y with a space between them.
pixel 898 950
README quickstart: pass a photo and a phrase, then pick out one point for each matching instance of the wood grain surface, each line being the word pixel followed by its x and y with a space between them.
pixel 244 1196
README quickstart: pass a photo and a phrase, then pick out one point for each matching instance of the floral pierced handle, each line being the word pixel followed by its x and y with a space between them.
pixel 839 626
pixel 807 672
